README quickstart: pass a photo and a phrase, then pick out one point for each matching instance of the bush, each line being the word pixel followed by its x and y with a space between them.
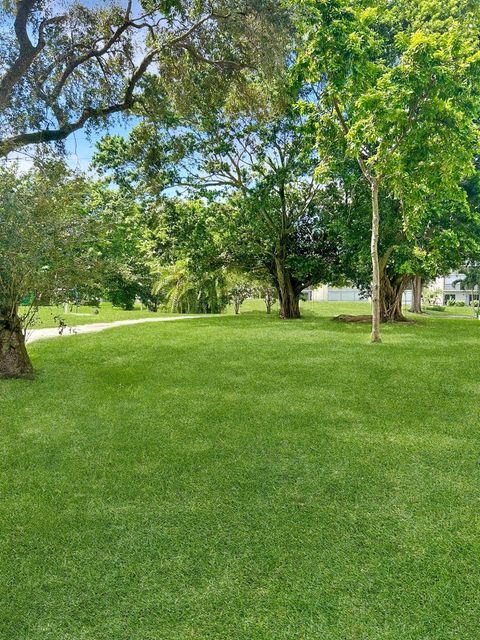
pixel 459 303
pixel 451 303
pixel 474 303
pixel 435 307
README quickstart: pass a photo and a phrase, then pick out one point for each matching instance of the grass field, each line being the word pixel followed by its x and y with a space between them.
pixel 48 316
pixel 241 478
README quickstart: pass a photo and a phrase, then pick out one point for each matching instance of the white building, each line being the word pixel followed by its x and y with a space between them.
pixel 326 293
pixel 452 291
pixel 445 285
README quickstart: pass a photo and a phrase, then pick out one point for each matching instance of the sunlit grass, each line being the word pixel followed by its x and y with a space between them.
pixel 235 478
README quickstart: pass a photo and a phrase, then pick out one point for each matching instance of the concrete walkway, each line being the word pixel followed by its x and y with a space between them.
pixel 41 334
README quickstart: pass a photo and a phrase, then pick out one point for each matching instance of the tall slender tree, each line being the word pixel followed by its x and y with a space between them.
pixel 397 85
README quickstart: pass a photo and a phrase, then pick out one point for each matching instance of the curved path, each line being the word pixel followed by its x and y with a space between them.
pixel 53 332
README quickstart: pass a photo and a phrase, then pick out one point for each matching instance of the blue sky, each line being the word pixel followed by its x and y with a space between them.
pixel 79 146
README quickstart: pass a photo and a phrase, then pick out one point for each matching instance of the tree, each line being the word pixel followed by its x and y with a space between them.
pixel 188 292
pixel 260 177
pixel 418 283
pixel 67 65
pixel 126 242
pixel 397 86
pixel 185 262
pixel 442 236
pixel 433 297
pixel 238 289
pixel 268 293
pixel 45 252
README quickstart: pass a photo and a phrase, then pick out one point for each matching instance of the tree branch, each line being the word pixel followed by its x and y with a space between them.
pixel 361 161
pixel 89 113
pixel 27 51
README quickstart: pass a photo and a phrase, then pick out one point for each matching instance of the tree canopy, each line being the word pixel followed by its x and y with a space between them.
pixel 273 147
pixel 46 251
pixel 64 66
pixel 396 84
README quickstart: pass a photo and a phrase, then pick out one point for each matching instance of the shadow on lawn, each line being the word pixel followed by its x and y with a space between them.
pixel 424 330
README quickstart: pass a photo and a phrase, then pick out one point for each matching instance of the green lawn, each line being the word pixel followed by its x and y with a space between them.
pixel 453 311
pixel 48 316
pixel 240 478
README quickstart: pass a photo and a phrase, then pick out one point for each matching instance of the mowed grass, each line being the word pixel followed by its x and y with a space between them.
pixel 244 478
pixel 48 316
pixel 106 312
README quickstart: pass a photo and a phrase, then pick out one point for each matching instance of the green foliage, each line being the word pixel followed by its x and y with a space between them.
pixel 72 65
pixel 266 292
pixel 266 208
pixel 404 84
pixel 471 279
pixel 186 291
pixel 395 86
pixel 47 248
pixel 238 288
pixel 432 296
pixel 126 244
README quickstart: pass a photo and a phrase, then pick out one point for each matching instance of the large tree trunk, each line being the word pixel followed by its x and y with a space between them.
pixel 288 296
pixel 289 305
pixel 417 287
pixel 391 294
pixel 14 360
pixel 376 314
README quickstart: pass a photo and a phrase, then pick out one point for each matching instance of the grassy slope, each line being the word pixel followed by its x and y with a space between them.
pixel 244 478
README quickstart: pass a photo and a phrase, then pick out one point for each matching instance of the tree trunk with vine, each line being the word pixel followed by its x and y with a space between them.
pixel 288 289
pixel 391 297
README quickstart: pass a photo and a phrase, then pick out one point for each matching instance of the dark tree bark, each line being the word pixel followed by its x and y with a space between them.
pixel 14 359
pixel 289 305
pixel 417 286
pixel 391 294
pixel 288 290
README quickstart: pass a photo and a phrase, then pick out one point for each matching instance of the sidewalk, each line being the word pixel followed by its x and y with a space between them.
pixel 40 334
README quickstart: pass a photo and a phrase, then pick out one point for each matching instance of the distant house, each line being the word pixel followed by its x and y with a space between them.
pixel 452 291
pixel 326 293
pixel 444 284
